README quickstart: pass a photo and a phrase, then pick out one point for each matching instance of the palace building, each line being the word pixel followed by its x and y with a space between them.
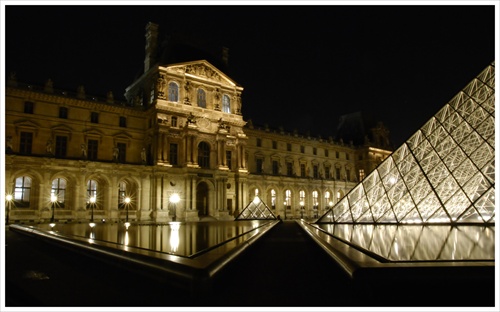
pixel 177 149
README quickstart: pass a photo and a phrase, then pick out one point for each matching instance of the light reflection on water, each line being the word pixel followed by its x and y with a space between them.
pixel 177 238
pixel 419 242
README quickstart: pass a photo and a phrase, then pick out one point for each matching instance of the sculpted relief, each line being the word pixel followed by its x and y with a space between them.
pixel 202 70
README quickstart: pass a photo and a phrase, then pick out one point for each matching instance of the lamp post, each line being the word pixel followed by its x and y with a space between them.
pixel 174 199
pixel 127 203
pixel 302 209
pixel 284 205
pixel 53 200
pixel 8 198
pixel 92 201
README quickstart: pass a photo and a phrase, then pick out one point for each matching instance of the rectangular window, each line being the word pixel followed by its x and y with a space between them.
pixel 315 171
pixel 174 121
pixel 275 145
pixel 258 163
pixel 327 172
pixel 26 143
pixel 326 153
pixel 336 154
pixel 92 149
pixel 361 174
pixel 63 112
pixel 346 156
pixel 337 173
pixel 259 142
pixel 28 107
pixel 173 154
pixel 315 151
pixel 289 168
pixel 348 175
pixel 94 117
pixel 276 166
pixel 123 122
pixel 289 147
pixel 122 152
pixel 303 170
pixel 61 146
pixel 228 159
pixel 302 149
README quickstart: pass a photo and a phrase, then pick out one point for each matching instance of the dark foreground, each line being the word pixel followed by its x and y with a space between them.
pixel 284 269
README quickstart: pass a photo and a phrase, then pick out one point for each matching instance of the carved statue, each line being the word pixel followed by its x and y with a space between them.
pixel 191 119
pixel 116 153
pixel 8 144
pixel 83 148
pixel 48 147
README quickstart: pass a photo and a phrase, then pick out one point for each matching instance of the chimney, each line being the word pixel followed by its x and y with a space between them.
pixel 151 45
pixel 225 56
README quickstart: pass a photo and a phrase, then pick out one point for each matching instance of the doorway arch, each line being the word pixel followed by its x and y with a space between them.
pixel 202 199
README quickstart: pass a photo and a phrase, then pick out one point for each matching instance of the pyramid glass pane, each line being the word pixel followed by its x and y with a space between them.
pixel 256 210
pixel 444 173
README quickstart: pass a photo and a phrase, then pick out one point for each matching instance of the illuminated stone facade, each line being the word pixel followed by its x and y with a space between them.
pixel 180 132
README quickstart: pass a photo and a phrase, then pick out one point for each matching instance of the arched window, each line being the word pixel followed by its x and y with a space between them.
pixel 59 189
pixel 226 104
pixel 315 203
pixel 328 202
pixel 288 199
pixel 201 98
pixel 173 92
pixel 315 199
pixel 273 199
pixel 91 192
pixel 122 193
pixel 204 155
pixel 302 198
pixel 22 191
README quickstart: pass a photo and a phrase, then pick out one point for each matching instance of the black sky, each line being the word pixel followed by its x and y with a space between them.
pixel 399 63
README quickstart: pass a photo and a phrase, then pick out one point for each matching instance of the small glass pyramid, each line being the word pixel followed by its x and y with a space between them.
pixel 443 174
pixel 256 210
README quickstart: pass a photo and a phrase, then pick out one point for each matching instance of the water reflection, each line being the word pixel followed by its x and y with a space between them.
pixel 178 238
pixel 419 242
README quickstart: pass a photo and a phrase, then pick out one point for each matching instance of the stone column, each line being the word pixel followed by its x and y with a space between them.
pixel 114 213
pixel 145 203
pixel 158 148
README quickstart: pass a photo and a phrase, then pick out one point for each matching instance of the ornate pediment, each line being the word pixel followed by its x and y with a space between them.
pixel 202 70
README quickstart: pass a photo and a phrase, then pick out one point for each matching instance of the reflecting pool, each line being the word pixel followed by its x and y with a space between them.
pixel 184 239
pixel 418 242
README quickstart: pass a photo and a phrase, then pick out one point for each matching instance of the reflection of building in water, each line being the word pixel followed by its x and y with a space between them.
pixel 181 131
pixel 444 173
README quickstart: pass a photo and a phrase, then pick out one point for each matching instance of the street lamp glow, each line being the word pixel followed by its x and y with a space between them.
pixel 127 203
pixel 256 200
pixel 53 200
pixel 92 201
pixel 9 199
pixel 174 198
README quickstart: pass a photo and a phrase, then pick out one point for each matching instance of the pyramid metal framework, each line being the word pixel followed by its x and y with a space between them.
pixel 443 174
pixel 256 210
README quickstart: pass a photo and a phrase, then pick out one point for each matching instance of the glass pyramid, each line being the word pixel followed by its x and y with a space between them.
pixel 256 210
pixel 443 174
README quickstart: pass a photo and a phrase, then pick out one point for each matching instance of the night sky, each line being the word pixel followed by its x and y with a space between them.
pixel 399 63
